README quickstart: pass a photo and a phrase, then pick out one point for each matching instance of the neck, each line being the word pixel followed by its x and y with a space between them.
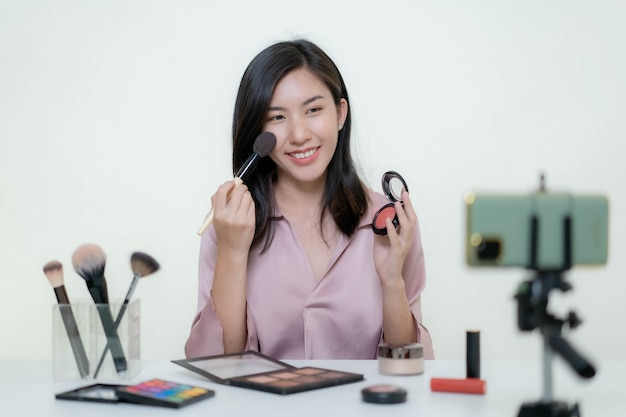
pixel 302 207
pixel 298 199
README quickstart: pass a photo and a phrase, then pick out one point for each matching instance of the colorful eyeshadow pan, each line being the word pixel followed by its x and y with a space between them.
pixel 163 393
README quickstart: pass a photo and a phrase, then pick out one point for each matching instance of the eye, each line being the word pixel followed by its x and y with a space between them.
pixel 276 117
pixel 315 110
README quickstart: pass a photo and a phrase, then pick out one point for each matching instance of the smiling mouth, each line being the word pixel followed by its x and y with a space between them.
pixel 303 155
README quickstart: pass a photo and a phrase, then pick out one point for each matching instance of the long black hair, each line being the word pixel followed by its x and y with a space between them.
pixel 345 196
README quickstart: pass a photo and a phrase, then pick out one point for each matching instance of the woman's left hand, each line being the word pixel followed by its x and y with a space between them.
pixel 390 251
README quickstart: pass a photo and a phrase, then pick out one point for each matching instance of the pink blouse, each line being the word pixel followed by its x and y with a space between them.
pixel 290 315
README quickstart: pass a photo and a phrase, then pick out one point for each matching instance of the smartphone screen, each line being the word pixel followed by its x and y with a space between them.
pixel 499 229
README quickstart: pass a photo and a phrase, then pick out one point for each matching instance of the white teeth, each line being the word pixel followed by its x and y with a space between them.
pixel 302 155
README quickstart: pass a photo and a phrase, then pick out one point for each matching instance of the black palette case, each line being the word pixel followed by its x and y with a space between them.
pixel 256 371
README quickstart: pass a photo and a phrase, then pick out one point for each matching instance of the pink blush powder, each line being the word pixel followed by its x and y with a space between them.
pixel 387 213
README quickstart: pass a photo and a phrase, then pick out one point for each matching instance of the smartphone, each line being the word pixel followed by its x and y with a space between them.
pixel 499 230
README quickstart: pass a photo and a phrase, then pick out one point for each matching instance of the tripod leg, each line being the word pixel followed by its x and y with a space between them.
pixel 552 409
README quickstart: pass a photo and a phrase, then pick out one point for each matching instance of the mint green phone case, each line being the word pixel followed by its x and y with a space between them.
pixel 503 222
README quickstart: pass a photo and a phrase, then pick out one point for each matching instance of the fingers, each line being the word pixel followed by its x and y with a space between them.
pixel 392 233
pixel 232 198
pixel 409 210
pixel 222 194
pixel 407 219
pixel 239 197
pixel 390 252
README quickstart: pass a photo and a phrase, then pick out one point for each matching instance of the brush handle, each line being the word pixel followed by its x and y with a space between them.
pixel 129 294
pixel 118 320
pixel 207 222
pixel 72 331
pixel 113 340
pixel 209 217
pixel 99 294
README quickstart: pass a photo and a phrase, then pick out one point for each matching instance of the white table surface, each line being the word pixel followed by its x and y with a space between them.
pixel 27 388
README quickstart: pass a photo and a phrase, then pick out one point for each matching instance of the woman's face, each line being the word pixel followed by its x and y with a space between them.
pixel 306 122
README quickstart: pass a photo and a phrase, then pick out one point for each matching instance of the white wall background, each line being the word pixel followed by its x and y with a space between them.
pixel 115 120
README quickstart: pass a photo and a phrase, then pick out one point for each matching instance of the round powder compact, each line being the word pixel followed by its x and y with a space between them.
pixel 379 225
pixel 383 394
pixel 393 184
pixel 401 359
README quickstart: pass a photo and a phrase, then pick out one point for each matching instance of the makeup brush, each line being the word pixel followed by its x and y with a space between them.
pixel 142 265
pixel 263 145
pixel 89 261
pixel 54 273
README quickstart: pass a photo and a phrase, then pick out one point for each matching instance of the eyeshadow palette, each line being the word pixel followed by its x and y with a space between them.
pixel 163 393
pixel 254 370
pixel 155 392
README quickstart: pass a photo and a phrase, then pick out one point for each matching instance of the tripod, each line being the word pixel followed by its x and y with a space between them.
pixel 532 298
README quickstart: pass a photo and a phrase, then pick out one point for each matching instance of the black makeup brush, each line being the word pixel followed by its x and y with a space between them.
pixel 142 265
pixel 54 273
pixel 89 260
pixel 263 145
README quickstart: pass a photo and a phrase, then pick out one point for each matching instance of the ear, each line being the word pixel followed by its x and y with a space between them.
pixel 342 113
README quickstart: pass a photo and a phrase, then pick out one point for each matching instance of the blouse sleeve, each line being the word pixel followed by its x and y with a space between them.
pixel 414 273
pixel 206 336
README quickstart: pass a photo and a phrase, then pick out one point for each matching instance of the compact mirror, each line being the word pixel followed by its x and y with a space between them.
pixel 393 184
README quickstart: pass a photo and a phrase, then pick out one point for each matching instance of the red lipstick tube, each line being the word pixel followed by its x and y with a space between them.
pixel 461 386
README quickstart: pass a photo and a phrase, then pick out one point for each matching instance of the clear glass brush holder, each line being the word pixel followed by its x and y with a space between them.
pixel 96 341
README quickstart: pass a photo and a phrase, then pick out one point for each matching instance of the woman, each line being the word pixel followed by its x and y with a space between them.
pixel 290 266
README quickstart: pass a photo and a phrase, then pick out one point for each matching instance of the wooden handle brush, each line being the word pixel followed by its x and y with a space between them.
pixel 263 145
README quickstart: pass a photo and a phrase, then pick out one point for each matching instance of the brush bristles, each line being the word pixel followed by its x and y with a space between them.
pixel 88 261
pixel 54 273
pixel 264 144
pixel 143 264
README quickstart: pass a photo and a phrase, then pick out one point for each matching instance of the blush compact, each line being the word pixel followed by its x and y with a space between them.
pixel 256 371
pixel 383 394
pixel 393 184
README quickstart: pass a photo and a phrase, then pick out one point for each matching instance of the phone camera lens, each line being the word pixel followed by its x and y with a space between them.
pixel 488 250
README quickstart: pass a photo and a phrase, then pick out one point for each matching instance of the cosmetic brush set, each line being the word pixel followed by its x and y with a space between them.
pixel 89 262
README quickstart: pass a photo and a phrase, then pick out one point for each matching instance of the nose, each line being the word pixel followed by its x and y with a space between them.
pixel 299 131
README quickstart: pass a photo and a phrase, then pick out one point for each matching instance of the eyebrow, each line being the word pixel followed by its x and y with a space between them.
pixel 304 103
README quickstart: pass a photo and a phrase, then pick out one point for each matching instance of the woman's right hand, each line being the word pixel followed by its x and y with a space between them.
pixel 233 216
